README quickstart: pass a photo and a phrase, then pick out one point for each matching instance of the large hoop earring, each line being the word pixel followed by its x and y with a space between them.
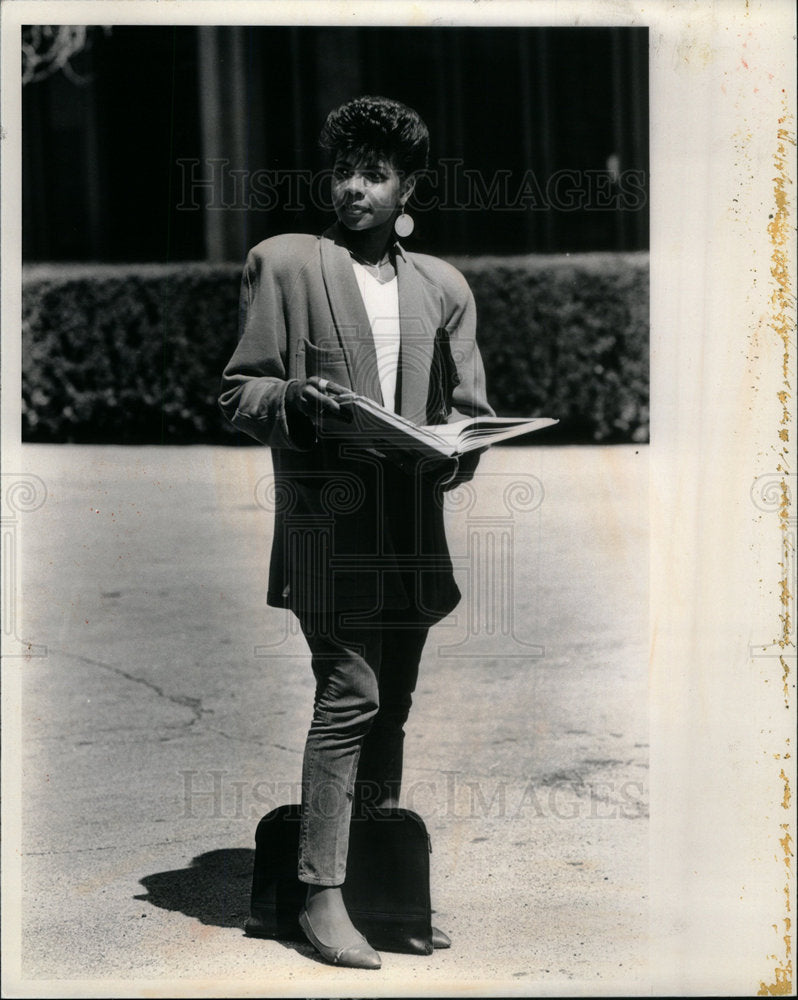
pixel 403 224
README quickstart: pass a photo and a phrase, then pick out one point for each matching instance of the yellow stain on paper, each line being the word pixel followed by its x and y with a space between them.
pixel 781 302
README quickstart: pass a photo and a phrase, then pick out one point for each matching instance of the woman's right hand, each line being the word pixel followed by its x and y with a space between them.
pixel 314 397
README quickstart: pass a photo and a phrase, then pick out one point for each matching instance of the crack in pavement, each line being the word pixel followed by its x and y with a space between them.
pixel 146 736
pixel 253 739
pixel 114 847
pixel 137 735
pixel 194 705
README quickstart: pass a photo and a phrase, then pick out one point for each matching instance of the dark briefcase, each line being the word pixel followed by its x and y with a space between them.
pixel 387 879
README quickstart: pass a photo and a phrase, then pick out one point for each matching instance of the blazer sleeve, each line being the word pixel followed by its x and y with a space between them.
pixel 469 396
pixel 255 381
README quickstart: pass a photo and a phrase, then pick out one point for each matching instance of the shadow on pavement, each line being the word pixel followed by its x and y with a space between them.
pixel 214 888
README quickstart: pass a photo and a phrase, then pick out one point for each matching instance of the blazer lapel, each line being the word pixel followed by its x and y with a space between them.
pixel 418 339
pixel 349 316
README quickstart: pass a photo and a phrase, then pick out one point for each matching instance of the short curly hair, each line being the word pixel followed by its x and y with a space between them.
pixel 381 127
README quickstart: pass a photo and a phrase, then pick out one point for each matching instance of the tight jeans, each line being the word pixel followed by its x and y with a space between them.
pixel 365 677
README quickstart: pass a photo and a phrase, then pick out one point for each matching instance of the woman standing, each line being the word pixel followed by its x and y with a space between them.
pixel 359 551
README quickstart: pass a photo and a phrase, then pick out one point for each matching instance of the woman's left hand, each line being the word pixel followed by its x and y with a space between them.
pixel 464 468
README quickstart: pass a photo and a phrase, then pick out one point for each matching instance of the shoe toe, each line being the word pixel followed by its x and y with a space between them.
pixel 359 956
pixel 440 939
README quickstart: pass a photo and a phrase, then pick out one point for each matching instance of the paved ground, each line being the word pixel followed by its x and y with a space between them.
pixel 169 712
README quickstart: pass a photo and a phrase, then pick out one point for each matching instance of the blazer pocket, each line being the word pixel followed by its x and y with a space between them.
pixel 325 362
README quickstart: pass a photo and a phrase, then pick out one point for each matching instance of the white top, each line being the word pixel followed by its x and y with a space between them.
pixel 382 308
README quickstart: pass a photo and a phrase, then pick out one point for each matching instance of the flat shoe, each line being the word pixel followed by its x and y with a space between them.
pixel 358 955
pixel 440 939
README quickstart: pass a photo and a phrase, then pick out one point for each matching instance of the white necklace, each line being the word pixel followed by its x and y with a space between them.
pixel 383 270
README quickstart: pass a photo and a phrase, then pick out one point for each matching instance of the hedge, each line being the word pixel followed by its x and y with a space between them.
pixel 133 353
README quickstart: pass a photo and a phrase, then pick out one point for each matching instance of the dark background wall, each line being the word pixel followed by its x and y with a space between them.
pixel 181 142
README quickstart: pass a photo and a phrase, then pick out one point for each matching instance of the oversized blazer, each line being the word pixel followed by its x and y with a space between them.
pixel 352 530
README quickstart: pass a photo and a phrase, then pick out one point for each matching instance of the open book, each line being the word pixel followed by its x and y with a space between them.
pixel 376 426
